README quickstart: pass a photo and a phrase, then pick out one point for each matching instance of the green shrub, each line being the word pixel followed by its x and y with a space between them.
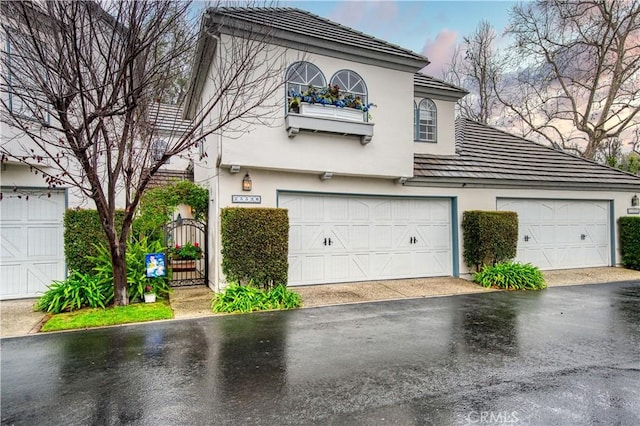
pixel 136 269
pixel 629 228
pixel 249 298
pixel 255 245
pixel 490 237
pixel 77 291
pixel 511 276
pixel 82 231
pixel 157 206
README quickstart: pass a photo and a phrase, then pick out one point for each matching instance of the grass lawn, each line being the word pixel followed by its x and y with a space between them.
pixel 97 317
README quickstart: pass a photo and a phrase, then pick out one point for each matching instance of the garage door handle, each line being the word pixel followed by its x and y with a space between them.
pixel 526 238
pixel 325 242
pixel 330 242
pixel 583 237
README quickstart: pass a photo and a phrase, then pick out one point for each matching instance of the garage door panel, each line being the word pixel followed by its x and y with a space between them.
pixel 383 237
pixel 562 233
pixel 44 241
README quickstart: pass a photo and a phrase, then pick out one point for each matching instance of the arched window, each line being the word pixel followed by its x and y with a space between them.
pixel 427 121
pixel 302 74
pixel 350 82
pixel 415 121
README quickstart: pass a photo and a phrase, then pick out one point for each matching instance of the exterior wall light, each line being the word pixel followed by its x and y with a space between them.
pixel 635 202
pixel 246 183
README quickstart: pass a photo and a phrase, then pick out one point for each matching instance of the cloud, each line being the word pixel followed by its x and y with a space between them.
pixel 370 15
pixel 440 51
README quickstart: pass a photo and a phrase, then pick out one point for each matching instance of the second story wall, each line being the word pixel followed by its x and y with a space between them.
pixel 388 153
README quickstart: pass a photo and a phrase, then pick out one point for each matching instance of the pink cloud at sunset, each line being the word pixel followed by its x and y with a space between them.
pixel 440 51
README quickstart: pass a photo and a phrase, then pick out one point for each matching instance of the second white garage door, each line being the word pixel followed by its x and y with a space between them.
pixel 560 234
pixel 341 239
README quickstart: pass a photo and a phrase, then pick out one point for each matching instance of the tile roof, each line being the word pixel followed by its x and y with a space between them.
pixel 428 82
pixel 490 156
pixel 300 23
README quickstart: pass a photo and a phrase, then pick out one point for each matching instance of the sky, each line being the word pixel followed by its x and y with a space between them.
pixel 432 28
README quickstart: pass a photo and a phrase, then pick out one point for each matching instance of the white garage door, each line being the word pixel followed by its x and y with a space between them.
pixel 340 239
pixel 560 234
pixel 32 253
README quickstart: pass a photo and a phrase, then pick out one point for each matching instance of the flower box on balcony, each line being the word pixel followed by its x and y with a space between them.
pixel 332 111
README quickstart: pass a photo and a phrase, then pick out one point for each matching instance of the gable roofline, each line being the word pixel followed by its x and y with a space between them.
pixel 296 29
pixel 490 157
pixel 426 86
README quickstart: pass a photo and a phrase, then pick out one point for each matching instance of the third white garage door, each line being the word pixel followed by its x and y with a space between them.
pixel 341 239
pixel 560 234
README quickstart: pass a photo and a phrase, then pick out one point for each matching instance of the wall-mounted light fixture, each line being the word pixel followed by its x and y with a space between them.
pixel 326 176
pixel 246 183
pixel 234 168
pixel 401 180
pixel 635 202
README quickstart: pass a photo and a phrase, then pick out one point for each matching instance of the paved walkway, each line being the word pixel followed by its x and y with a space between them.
pixel 17 317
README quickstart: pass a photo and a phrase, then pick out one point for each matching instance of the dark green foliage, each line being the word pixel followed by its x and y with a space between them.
pixel 82 231
pixel 511 276
pixel 490 237
pixel 77 291
pixel 157 205
pixel 629 228
pixel 136 269
pixel 255 244
pixel 249 298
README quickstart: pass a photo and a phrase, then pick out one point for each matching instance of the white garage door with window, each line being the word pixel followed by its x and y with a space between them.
pixel 342 239
pixel 31 233
pixel 560 234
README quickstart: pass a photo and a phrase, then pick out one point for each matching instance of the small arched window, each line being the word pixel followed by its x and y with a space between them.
pixel 427 121
pixel 301 75
pixel 350 82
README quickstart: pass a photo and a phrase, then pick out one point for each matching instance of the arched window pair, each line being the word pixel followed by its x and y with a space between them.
pixel 425 121
pixel 302 74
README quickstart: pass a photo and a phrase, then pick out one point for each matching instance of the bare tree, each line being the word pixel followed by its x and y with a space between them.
pixel 80 89
pixel 577 82
pixel 477 67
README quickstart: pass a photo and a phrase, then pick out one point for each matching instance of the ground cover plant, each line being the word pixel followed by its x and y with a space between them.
pixel 511 276
pixel 77 291
pixel 249 298
pixel 97 317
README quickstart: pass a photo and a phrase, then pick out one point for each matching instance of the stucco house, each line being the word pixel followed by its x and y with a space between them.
pixel 380 195
pixel 371 196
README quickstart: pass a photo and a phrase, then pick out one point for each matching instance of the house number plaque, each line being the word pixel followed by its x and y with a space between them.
pixel 246 199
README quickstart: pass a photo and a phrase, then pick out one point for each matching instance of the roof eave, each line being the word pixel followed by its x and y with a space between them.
pixel 463 182
pixel 205 50
pixel 444 94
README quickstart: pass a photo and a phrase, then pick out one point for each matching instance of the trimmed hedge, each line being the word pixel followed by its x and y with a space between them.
pixel 82 231
pixel 255 245
pixel 490 237
pixel 629 228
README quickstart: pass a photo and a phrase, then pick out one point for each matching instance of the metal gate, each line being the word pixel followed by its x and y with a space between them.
pixel 190 233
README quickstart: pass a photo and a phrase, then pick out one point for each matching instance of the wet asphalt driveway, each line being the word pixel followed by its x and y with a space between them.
pixel 567 355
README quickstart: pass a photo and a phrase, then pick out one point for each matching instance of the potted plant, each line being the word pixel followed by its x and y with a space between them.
pixel 345 105
pixel 149 294
pixel 183 258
